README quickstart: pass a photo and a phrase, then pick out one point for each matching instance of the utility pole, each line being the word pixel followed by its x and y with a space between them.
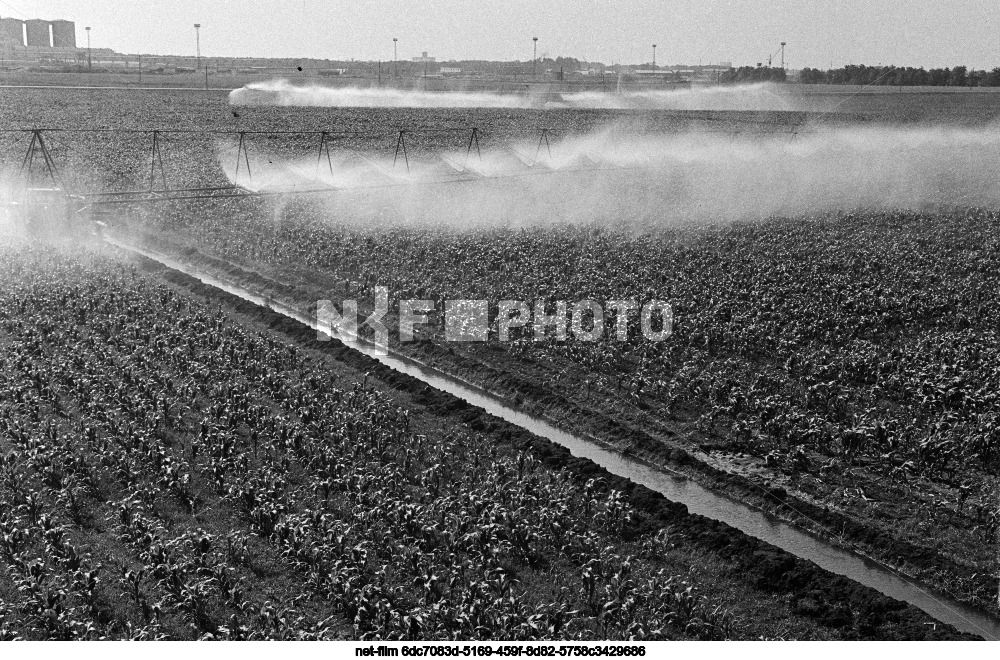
pixel 654 57
pixel 783 54
pixel 90 61
pixel 395 69
pixel 534 57
pixel 197 45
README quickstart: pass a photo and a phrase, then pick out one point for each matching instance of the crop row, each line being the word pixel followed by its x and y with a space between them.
pixel 818 347
pixel 158 459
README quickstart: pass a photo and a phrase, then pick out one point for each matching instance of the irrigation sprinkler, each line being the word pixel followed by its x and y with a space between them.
pixel 156 160
pixel 401 144
pixel 319 157
pixel 473 139
pixel 93 204
pixel 241 150
pixel 36 145
pixel 155 187
pixel 544 137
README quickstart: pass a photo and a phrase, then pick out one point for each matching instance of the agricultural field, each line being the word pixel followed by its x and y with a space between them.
pixel 170 473
pixel 173 469
pixel 836 369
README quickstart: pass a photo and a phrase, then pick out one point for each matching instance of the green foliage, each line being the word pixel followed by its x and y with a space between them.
pixel 404 535
pixel 860 74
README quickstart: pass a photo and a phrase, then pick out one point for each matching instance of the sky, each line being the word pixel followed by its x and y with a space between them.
pixel 819 33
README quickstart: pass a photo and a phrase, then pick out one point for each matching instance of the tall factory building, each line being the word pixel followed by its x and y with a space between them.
pixel 11 32
pixel 38 33
pixel 63 34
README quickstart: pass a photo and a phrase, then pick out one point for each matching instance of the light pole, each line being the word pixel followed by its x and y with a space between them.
pixel 534 56
pixel 782 54
pixel 90 61
pixel 197 45
pixel 395 71
pixel 654 57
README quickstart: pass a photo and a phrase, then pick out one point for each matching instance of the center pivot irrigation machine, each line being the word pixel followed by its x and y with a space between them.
pixel 41 198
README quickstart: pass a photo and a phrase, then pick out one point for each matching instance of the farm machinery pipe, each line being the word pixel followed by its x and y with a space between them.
pixel 541 163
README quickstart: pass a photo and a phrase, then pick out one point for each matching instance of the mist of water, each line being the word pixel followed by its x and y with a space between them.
pixel 648 180
pixel 758 97
pixel 12 225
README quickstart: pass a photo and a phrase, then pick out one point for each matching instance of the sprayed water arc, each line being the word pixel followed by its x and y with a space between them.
pixel 754 97
pixel 676 488
pixel 645 180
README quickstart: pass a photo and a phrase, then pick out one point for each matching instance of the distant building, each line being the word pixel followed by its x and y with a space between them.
pixel 451 70
pixel 37 32
pixel 11 32
pixel 423 58
pixel 63 34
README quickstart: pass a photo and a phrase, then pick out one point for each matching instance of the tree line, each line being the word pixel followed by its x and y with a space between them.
pixel 859 74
